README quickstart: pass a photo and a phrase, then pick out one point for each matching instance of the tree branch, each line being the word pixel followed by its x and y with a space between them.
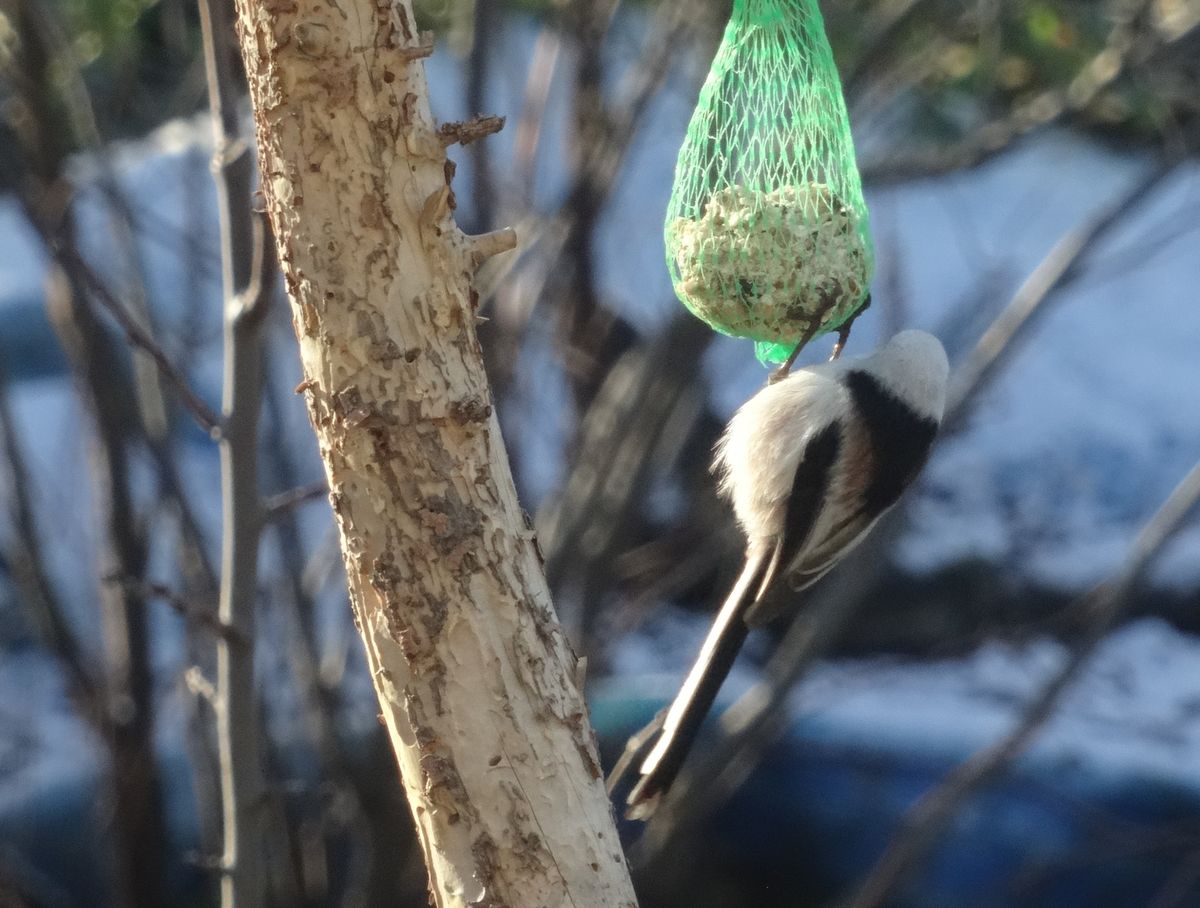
pixel 140 339
pixel 363 808
pixel 278 505
pixel 197 615
pixel 562 247
pixel 29 572
pixel 247 271
pixel 1064 263
pixel 484 21
pixel 138 817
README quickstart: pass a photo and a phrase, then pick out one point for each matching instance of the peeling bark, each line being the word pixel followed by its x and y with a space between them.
pixel 475 679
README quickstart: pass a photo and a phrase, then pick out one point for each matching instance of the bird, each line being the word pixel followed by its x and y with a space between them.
pixel 810 463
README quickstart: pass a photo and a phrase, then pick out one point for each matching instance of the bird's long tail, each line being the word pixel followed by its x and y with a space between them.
pixel 695 698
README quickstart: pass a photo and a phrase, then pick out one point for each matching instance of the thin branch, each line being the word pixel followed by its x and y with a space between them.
pixel 238 732
pixel 198 577
pixel 283 503
pixel 140 339
pixel 601 151
pixel 106 397
pixel 196 615
pixel 127 226
pixel 546 52
pixel 1065 262
pixel 247 269
pixel 137 819
pixel 602 137
pixel 28 569
pixel 930 816
pixel 484 21
pixel 353 810
pixel 641 417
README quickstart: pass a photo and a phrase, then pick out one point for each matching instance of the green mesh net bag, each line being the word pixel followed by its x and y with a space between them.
pixel 767 233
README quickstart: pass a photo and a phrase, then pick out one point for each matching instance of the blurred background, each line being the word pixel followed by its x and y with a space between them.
pixel 1031 171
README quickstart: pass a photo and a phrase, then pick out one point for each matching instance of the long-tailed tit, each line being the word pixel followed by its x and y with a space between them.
pixel 810 464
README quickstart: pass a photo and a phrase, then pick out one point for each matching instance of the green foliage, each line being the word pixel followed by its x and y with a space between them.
pixel 104 28
pixel 970 62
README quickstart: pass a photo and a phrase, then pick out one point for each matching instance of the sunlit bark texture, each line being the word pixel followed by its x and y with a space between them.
pixel 477 683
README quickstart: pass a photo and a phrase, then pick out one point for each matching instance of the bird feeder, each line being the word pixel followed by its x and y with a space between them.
pixel 767 233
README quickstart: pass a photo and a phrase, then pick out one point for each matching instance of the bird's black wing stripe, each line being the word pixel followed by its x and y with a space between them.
pixel 900 438
pixel 810 487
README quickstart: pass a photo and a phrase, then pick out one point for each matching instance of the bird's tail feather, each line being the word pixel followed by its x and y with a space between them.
pixel 695 698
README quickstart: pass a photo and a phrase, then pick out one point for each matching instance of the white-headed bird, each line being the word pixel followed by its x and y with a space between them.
pixel 810 464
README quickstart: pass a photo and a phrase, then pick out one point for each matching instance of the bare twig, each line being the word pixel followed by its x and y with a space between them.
pixel 546 52
pixel 641 418
pixel 198 577
pixel 602 135
pixel 141 339
pixel 278 505
pixel 1062 265
pixel 927 819
pixel 80 111
pixel 130 693
pixel 128 223
pixel 28 569
pixel 247 268
pixel 199 615
pixel 563 261
pixel 484 19
pixel 244 882
pixel 352 810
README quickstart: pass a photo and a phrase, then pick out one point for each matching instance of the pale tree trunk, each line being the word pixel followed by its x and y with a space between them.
pixel 478 686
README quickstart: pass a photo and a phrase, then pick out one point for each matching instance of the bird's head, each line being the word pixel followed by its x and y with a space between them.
pixel 913 367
